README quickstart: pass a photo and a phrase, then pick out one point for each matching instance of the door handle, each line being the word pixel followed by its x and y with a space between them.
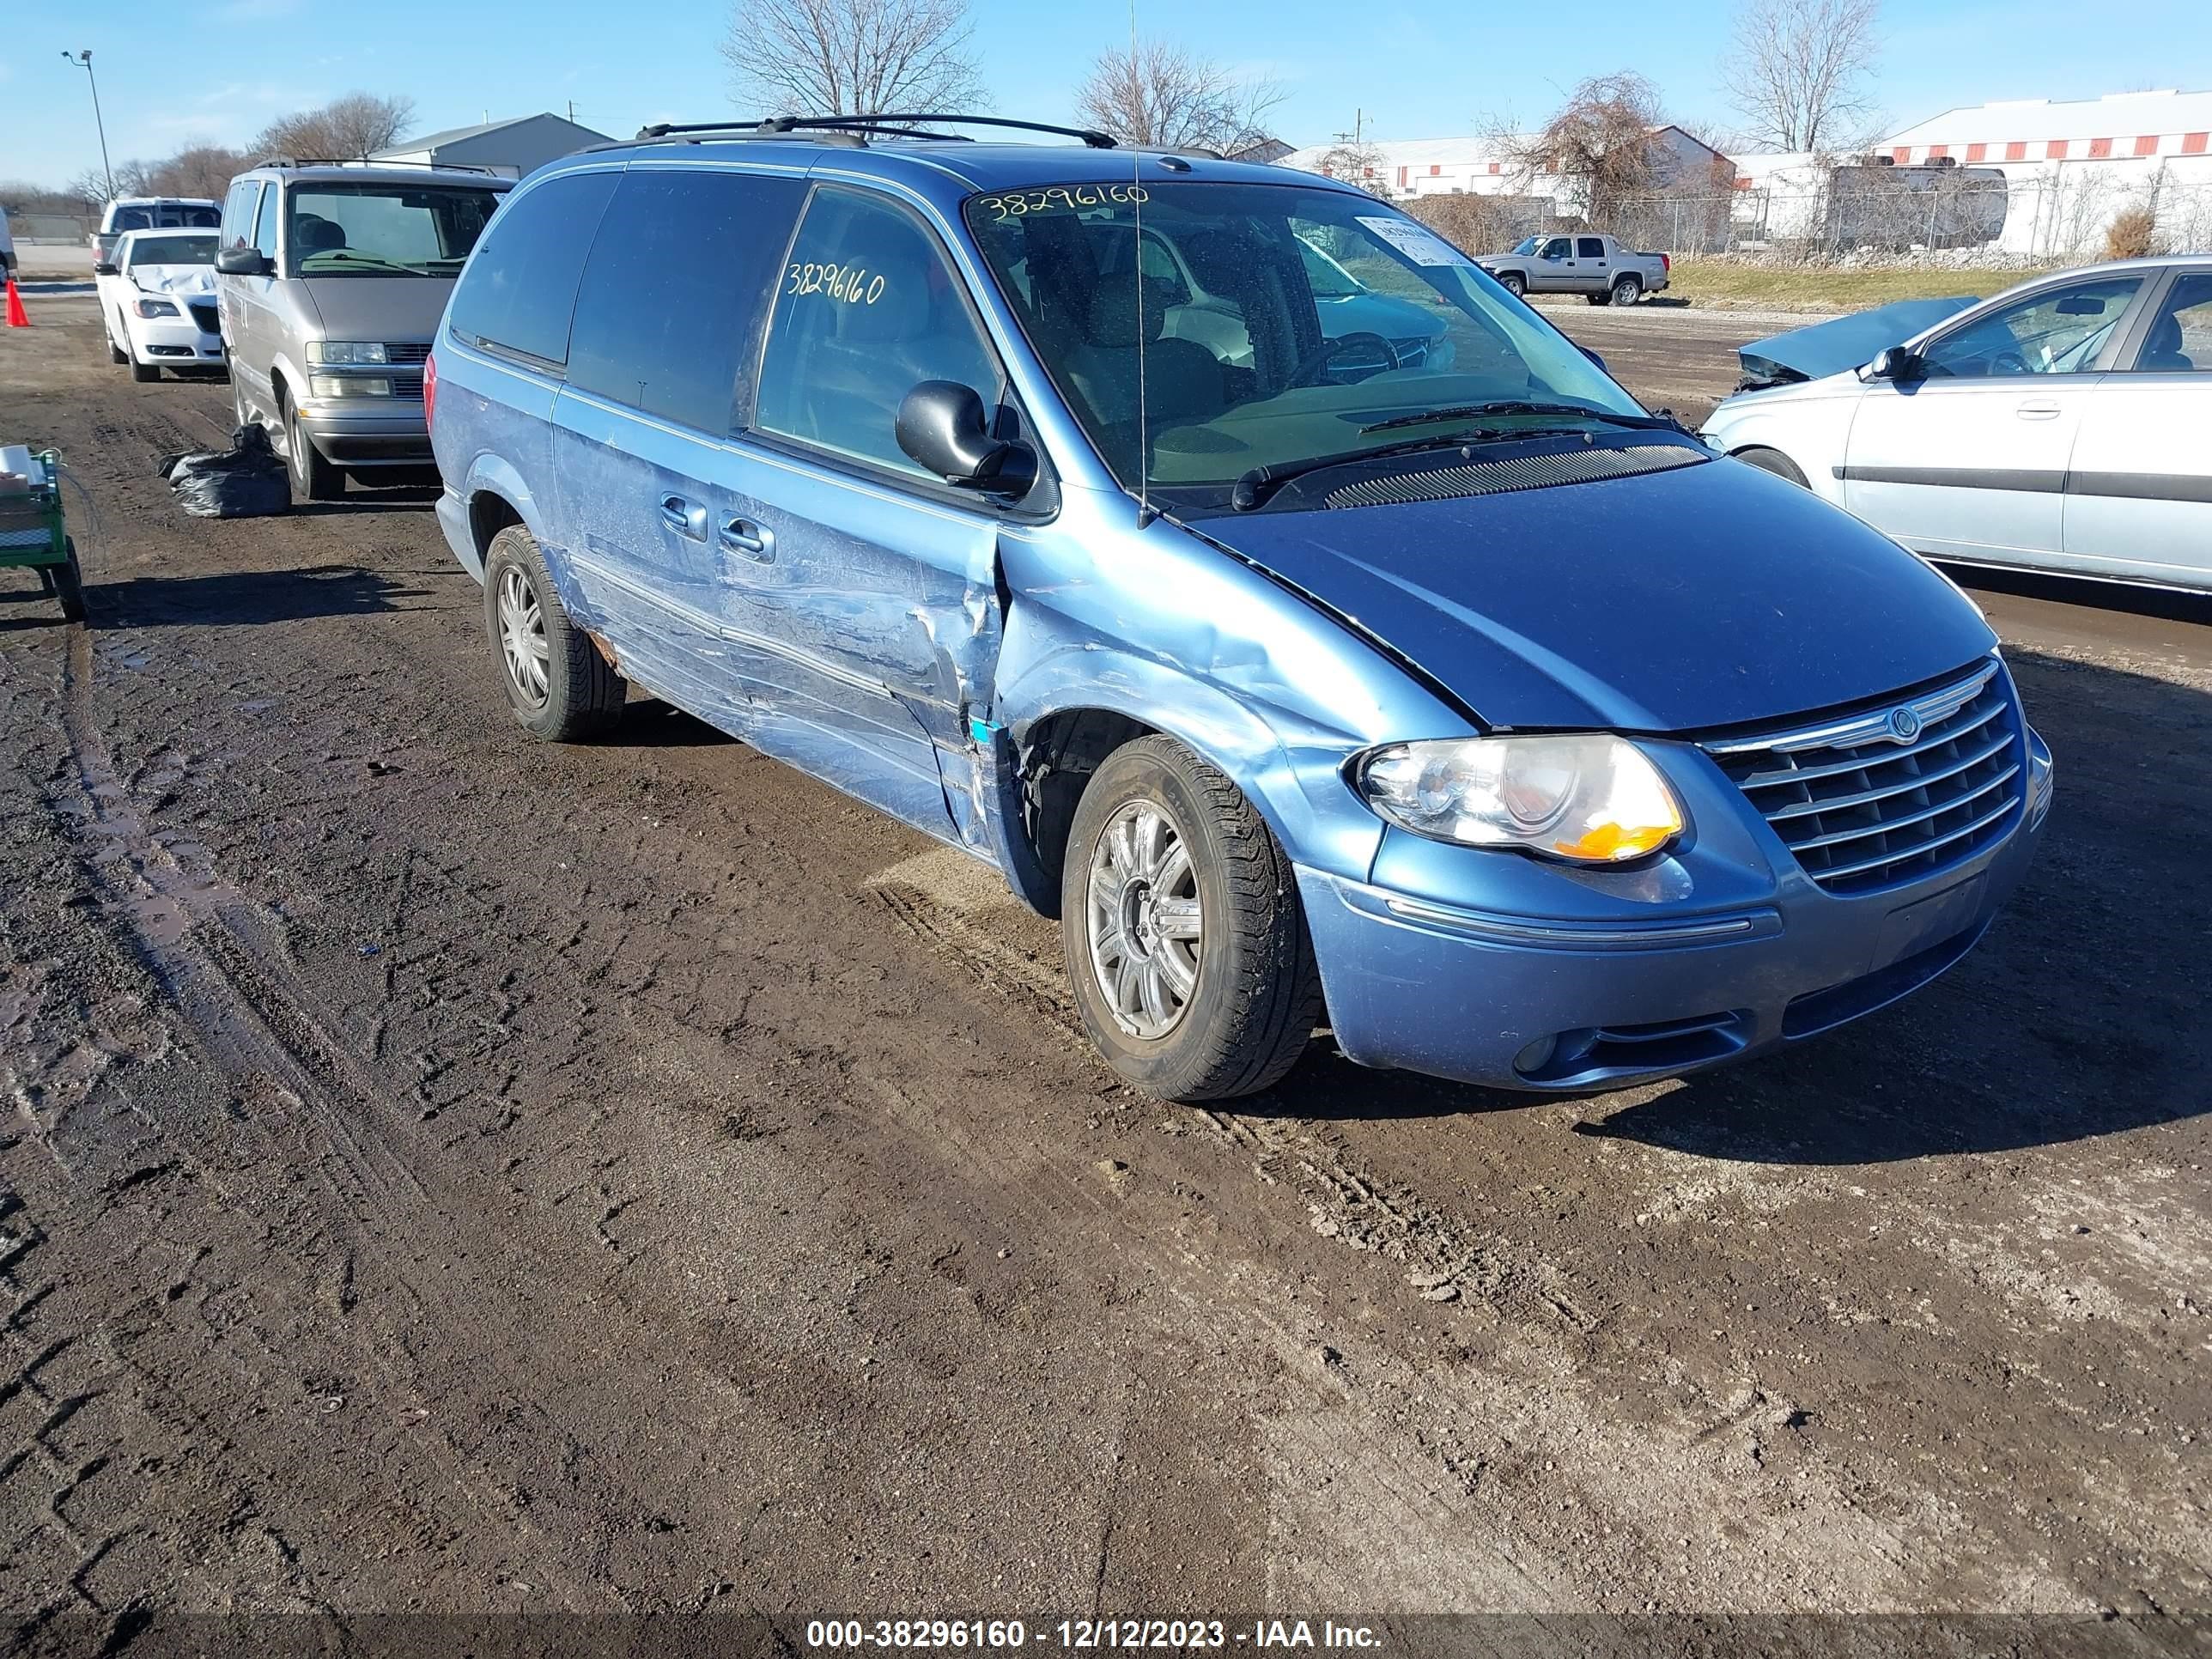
pixel 755 541
pixel 687 518
pixel 2040 410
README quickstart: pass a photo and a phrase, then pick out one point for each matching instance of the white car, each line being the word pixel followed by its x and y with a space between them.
pixel 2061 425
pixel 157 298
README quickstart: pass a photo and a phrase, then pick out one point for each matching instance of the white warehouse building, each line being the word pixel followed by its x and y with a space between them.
pixel 1403 170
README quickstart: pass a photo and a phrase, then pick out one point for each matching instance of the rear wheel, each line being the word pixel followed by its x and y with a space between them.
pixel 1186 943
pixel 312 476
pixel 1627 290
pixel 1774 461
pixel 558 685
pixel 69 586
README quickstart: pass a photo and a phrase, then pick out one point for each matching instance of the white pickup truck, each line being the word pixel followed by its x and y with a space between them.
pixel 1596 267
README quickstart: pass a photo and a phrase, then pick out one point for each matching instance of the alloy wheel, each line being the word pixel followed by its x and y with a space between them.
pixel 522 639
pixel 1147 924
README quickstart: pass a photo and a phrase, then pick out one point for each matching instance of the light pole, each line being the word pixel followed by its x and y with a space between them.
pixel 83 61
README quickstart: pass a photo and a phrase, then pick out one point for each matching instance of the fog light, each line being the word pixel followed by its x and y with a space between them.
pixel 347 386
pixel 1537 1056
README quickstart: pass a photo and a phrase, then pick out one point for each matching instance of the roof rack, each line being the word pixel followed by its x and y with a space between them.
pixel 367 161
pixel 779 126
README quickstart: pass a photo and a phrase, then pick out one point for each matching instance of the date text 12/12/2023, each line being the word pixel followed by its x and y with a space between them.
pixel 1169 1635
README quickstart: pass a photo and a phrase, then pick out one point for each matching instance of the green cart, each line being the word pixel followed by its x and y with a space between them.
pixel 31 532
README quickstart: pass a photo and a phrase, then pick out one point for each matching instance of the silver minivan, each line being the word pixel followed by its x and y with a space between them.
pixel 330 281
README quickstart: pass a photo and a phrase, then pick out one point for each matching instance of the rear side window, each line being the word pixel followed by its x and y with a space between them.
pixel 265 223
pixel 519 289
pixel 865 310
pixel 1588 247
pixel 672 296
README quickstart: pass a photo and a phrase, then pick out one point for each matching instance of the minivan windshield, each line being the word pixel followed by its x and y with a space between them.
pixel 180 250
pixel 1278 324
pixel 384 230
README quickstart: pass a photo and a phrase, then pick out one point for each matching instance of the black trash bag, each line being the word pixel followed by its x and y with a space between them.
pixel 247 480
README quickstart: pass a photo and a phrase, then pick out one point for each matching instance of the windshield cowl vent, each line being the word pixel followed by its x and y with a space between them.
pixel 1508 474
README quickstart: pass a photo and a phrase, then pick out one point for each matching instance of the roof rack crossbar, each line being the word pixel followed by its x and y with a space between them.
pixel 777 126
pixel 370 162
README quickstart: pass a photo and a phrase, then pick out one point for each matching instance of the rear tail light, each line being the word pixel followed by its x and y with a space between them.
pixel 1667 265
pixel 429 390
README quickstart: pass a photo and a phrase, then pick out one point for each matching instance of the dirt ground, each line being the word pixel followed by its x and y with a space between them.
pixel 440 1173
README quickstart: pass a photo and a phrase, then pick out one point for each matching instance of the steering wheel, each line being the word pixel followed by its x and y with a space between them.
pixel 2007 362
pixel 1308 373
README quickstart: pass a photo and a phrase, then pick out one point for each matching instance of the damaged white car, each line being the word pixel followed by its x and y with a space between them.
pixel 157 301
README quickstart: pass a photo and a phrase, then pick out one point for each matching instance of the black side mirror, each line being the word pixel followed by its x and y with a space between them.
pixel 943 427
pixel 1892 363
pixel 103 268
pixel 242 262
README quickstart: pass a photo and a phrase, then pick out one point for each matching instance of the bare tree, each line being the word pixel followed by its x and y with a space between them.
pixel 1155 93
pixel 1601 139
pixel 851 57
pixel 1359 164
pixel 1798 72
pixel 347 128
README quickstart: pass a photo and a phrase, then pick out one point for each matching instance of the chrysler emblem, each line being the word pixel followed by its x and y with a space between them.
pixel 1903 725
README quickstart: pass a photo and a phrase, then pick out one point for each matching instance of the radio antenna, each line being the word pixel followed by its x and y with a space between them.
pixel 1137 266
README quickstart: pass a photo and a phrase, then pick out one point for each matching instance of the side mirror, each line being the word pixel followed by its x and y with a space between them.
pixel 942 426
pixel 242 262
pixel 103 268
pixel 1892 363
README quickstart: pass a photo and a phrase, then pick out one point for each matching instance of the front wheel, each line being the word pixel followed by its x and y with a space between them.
pixel 116 354
pixel 558 685
pixel 1185 943
pixel 1515 284
pixel 313 476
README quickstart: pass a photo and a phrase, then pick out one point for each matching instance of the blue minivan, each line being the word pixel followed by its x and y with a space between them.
pixel 1415 684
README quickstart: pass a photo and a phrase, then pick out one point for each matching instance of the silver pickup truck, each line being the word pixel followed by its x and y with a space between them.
pixel 1596 267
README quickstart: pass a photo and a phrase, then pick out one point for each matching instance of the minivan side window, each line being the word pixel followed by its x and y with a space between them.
pixel 671 298
pixel 866 308
pixel 265 223
pixel 238 213
pixel 519 289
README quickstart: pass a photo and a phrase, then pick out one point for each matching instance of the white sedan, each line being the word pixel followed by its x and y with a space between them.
pixel 2061 425
pixel 157 298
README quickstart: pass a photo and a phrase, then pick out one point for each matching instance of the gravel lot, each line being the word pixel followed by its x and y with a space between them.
pixel 439 1172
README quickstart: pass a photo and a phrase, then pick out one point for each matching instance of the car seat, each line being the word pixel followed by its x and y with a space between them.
pixel 312 234
pixel 1183 381
pixel 2162 353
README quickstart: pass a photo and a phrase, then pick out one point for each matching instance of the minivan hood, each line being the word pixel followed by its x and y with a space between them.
pixel 378 308
pixel 1706 596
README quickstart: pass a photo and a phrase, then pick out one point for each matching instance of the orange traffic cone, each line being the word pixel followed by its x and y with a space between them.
pixel 17 317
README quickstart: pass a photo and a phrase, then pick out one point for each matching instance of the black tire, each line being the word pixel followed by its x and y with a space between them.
pixel 584 694
pixel 1602 297
pixel 1774 461
pixel 143 373
pixel 1515 284
pixel 1256 994
pixel 69 586
pixel 1627 289
pixel 116 354
pixel 313 476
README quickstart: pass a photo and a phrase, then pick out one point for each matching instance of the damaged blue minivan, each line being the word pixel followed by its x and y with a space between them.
pixel 1306 623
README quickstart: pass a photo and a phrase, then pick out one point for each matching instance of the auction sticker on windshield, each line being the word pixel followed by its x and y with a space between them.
pixel 1421 245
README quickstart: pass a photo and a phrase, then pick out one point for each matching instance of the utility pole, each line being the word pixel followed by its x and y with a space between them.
pixel 83 61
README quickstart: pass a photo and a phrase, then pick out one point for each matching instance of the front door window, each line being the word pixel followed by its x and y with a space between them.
pixel 2060 330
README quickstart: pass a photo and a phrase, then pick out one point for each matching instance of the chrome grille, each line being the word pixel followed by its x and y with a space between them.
pixel 412 352
pixel 1893 795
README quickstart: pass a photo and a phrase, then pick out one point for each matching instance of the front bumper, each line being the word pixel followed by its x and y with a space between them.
pixel 1526 1001
pixel 365 432
pixel 173 343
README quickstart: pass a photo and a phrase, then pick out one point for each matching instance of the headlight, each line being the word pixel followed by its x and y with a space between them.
pixel 349 386
pixel 1588 796
pixel 346 351
pixel 157 308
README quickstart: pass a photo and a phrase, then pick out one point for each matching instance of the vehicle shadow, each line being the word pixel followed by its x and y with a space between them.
pixel 2081 1013
pixel 649 723
pixel 233 598
pixel 396 498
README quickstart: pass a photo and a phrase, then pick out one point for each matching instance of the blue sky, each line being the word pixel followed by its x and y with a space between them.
pixel 221 70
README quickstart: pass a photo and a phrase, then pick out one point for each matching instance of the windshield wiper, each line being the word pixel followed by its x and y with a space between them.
pixel 1253 488
pixel 1476 412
